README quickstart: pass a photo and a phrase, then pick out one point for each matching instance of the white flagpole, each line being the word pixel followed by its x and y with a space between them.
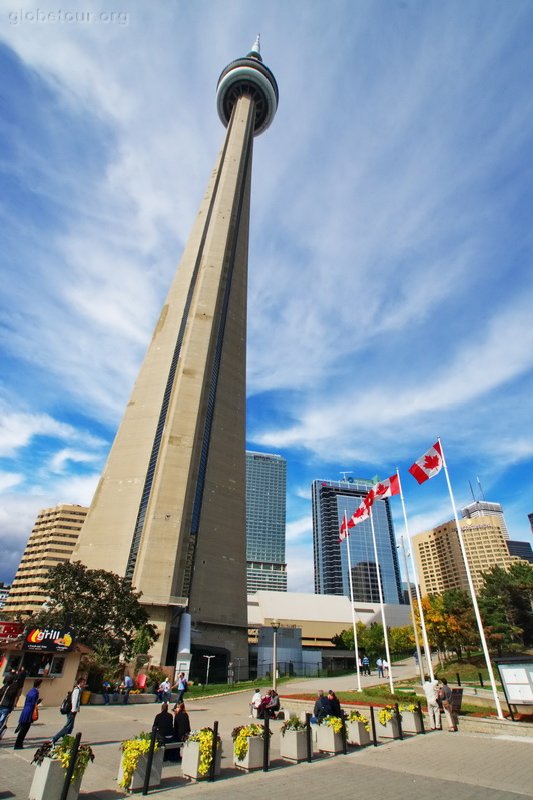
pixel 356 647
pixel 427 649
pixel 413 619
pixel 472 590
pixel 381 605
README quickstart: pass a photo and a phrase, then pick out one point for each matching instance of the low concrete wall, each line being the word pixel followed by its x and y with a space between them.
pixel 117 700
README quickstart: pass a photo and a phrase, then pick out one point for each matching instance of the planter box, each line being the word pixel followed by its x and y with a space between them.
pixel 356 733
pixel 293 745
pixel 391 729
pixel 327 740
pixel 411 722
pixel 190 761
pixel 254 757
pixel 137 780
pixel 48 782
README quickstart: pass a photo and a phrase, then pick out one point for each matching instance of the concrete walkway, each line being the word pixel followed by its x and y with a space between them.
pixel 438 765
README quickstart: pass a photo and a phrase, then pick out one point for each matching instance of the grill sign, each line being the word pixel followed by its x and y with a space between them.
pixel 48 640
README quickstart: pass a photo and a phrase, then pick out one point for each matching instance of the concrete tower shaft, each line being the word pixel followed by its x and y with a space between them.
pixel 169 511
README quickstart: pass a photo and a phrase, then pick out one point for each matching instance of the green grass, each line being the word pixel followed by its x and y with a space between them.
pixel 198 690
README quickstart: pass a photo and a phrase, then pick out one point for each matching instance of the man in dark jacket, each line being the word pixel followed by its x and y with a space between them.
pixel 8 697
pixel 321 708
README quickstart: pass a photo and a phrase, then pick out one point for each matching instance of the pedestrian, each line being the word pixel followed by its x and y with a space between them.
pixel 334 706
pixel 385 665
pixel 181 685
pixel 366 665
pixel 163 693
pixel 106 688
pixel 8 697
pixel 321 708
pixel 28 715
pixel 379 665
pixel 255 703
pixel 431 691
pixel 128 686
pixel 74 707
pixel 445 694
pixel 182 725
pixel 164 725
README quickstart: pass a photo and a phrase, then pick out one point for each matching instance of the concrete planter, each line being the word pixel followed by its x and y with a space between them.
pixel 190 761
pixel 356 733
pixel 391 729
pixel 327 740
pixel 254 757
pixel 48 781
pixel 293 745
pixel 137 780
pixel 411 722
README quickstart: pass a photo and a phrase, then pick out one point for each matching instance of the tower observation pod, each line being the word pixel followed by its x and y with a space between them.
pixel 169 510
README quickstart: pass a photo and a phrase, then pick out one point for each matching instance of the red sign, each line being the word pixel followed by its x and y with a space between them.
pixel 10 630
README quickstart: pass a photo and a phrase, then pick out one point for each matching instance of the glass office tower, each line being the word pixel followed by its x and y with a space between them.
pixel 331 499
pixel 266 493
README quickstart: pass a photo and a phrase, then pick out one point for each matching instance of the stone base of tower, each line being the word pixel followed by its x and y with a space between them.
pixel 227 643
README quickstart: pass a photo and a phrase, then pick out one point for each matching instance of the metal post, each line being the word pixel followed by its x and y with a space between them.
pixel 343 736
pixel 309 740
pixel 71 766
pixel 373 724
pixel 399 718
pixel 458 677
pixel 212 766
pixel 149 759
pixel 480 680
pixel 266 743
pixel 275 626
pixel 419 707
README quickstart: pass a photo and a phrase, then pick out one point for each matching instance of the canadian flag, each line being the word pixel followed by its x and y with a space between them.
pixel 386 488
pixel 344 529
pixel 428 465
pixel 361 513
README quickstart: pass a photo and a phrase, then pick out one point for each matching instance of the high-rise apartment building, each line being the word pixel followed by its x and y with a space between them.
pixel 520 550
pixel 266 493
pixel 169 510
pixel 439 559
pixel 330 500
pixel 51 542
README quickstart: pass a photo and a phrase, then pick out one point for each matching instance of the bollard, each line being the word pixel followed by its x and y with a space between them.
pixel 213 764
pixel 458 678
pixel 399 718
pixel 149 759
pixel 480 680
pixel 373 724
pixel 266 743
pixel 343 735
pixel 309 740
pixel 71 766
pixel 419 707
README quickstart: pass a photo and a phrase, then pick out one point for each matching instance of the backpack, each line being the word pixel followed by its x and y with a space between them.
pixel 185 685
pixel 66 705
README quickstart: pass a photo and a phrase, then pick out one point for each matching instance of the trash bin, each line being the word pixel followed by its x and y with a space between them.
pixel 85 697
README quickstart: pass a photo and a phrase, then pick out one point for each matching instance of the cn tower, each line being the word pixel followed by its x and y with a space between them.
pixel 169 510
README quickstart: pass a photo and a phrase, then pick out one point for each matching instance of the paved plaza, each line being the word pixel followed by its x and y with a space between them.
pixel 463 766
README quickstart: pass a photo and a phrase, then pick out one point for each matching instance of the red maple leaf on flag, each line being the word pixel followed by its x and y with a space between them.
pixel 380 489
pixel 359 512
pixel 431 462
pixel 369 499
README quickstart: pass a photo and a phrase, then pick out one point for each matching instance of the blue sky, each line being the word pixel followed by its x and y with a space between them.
pixel 391 280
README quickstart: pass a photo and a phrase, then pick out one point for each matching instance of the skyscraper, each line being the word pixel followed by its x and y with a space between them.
pixel 330 499
pixel 51 542
pixel 266 495
pixel 169 511
pixel 482 508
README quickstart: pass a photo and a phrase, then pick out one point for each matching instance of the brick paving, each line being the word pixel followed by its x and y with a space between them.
pixel 463 765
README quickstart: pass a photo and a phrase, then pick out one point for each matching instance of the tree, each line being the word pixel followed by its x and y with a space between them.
pixel 450 621
pixel 101 607
pixel 506 606
pixel 402 639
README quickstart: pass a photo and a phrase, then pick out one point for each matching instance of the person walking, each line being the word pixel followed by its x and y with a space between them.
pixel 75 702
pixel 8 697
pixel 181 685
pixel 128 686
pixel 379 665
pixel 431 691
pixel 366 665
pixel 28 715
pixel 106 688
pixel 445 694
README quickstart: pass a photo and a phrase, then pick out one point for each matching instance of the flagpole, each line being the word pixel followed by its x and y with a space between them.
pixel 415 627
pixel 427 649
pixel 472 590
pixel 356 647
pixel 381 605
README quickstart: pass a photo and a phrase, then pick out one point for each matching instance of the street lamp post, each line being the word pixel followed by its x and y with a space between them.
pixel 275 627
pixel 207 671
